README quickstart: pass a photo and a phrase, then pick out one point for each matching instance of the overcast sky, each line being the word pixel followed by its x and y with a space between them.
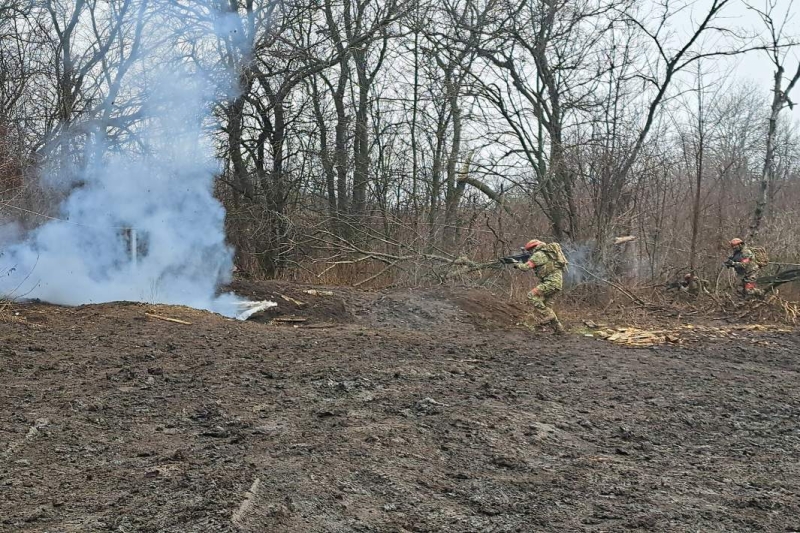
pixel 756 66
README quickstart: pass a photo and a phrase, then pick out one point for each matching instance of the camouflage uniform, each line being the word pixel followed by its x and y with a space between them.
pixel 551 281
pixel 693 285
pixel 743 261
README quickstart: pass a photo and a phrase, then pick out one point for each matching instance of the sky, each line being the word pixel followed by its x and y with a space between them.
pixel 756 66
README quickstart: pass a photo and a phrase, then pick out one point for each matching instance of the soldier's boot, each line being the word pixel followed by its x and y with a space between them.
pixel 536 319
pixel 532 322
pixel 550 318
pixel 547 317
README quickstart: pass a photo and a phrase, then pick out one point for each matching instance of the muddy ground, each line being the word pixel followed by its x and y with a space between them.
pixel 390 411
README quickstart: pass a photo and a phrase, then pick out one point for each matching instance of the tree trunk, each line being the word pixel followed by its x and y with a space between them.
pixel 361 144
pixel 276 193
pixel 436 177
pixel 340 142
pixel 767 173
pixel 243 186
pixel 327 163
pixel 698 168
pixel 452 195
pixel 413 127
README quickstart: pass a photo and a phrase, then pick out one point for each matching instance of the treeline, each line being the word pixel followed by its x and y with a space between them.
pixel 368 138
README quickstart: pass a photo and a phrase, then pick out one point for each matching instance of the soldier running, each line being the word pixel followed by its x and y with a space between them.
pixel 548 265
pixel 743 261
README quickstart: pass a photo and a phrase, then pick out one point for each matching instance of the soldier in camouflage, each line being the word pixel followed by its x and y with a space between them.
pixel 551 281
pixel 694 285
pixel 743 261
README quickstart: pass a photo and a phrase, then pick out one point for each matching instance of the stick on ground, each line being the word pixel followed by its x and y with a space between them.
pixel 168 319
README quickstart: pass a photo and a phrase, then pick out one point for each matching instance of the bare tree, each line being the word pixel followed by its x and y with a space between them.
pixel 81 65
pixel 777 47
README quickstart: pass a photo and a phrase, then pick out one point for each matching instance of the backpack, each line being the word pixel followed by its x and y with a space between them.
pixel 760 256
pixel 554 252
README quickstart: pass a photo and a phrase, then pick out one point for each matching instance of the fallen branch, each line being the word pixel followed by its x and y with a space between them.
pixel 298 303
pixel 374 276
pixel 289 319
pixel 488 191
pixel 168 319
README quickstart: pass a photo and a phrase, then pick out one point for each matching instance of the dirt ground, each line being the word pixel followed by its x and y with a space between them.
pixel 391 411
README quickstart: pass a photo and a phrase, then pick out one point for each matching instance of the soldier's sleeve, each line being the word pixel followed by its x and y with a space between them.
pixel 538 259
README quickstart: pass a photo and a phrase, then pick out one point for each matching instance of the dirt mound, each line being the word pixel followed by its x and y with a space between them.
pixel 409 309
pixel 37 315
pixel 487 310
pixel 413 309
pixel 421 309
pixel 297 304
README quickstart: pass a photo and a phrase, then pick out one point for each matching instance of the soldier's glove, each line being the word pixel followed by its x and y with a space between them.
pixel 518 265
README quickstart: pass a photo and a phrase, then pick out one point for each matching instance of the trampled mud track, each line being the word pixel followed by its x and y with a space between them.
pixel 386 412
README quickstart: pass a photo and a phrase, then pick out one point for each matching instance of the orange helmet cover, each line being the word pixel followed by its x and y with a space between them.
pixel 533 243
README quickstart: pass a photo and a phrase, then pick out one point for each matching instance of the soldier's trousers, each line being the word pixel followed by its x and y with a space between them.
pixel 542 295
pixel 749 289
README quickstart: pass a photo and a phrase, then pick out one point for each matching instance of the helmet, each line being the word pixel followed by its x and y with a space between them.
pixel 736 242
pixel 533 243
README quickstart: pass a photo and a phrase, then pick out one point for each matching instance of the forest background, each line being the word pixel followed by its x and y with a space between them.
pixel 376 142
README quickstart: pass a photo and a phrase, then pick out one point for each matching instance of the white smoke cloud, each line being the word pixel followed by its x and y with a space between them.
pixel 584 269
pixel 161 194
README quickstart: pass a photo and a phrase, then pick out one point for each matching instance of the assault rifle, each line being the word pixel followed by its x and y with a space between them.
pixel 521 257
pixel 670 286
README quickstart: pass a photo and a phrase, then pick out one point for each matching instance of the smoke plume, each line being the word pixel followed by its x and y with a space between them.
pixel 141 222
